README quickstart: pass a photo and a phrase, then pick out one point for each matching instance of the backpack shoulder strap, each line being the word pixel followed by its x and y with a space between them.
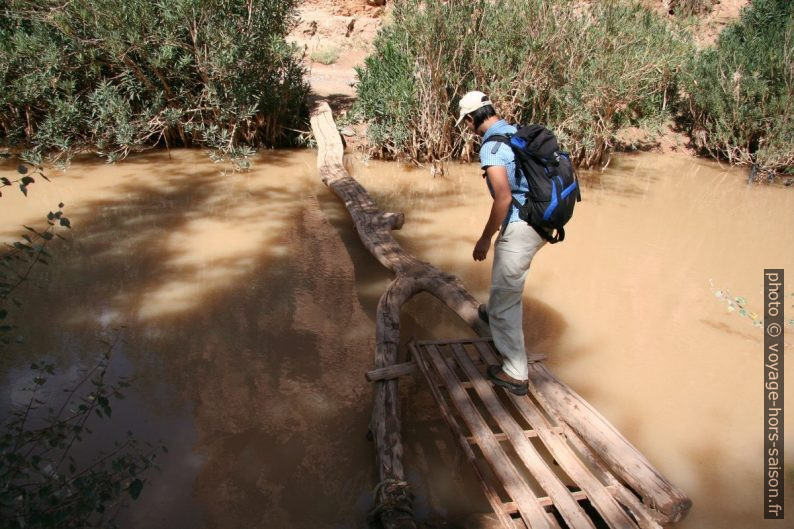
pixel 499 139
pixel 520 146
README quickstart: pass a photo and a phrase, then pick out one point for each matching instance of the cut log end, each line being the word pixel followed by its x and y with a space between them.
pixel 394 221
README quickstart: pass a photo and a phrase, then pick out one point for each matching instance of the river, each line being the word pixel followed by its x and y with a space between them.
pixel 246 305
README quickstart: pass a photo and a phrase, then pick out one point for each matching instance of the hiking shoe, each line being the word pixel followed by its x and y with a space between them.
pixel 500 378
pixel 482 312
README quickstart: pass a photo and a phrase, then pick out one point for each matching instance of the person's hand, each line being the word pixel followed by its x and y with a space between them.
pixel 481 249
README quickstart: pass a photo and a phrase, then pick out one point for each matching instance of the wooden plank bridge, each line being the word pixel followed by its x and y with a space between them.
pixel 535 469
pixel 546 460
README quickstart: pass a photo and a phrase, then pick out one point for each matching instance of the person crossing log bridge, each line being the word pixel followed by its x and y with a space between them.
pixel 636 485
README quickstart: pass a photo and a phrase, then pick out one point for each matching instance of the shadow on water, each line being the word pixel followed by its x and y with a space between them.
pixel 232 295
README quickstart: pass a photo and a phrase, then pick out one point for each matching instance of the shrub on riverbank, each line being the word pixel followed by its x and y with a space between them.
pixel 115 76
pixel 690 7
pixel 740 91
pixel 585 70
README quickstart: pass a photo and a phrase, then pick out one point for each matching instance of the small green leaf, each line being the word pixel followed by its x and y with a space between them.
pixel 135 488
pixel 65 222
pixel 6 181
pixel 27 180
pixel 24 189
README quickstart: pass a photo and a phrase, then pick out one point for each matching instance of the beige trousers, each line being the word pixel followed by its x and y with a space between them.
pixel 513 252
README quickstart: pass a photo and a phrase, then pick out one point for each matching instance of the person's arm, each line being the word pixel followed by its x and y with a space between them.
pixel 502 197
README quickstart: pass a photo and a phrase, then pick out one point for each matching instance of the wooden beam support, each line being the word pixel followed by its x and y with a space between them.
pixel 390 372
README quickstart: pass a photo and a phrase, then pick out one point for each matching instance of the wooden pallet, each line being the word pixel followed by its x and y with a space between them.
pixel 536 470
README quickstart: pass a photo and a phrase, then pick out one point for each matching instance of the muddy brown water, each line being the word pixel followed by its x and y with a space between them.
pixel 247 308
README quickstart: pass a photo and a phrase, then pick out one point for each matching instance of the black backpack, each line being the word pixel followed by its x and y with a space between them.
pixel 553 186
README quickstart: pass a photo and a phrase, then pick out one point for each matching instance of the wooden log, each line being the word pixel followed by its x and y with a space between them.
pixel 390 372
pixel 624 460
pixel 375 234
pixel 412 276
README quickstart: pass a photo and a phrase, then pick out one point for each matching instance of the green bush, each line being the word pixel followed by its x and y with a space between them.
pixel 738 100
pixel 115 76
pixel 585 70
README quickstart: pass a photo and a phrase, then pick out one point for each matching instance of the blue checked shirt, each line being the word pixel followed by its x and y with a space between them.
pixel 504 157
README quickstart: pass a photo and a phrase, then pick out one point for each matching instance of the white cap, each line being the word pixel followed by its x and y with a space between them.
pixel 470 102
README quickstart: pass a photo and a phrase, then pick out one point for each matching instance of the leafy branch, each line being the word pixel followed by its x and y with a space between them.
pixel 17 263
pixel 42 484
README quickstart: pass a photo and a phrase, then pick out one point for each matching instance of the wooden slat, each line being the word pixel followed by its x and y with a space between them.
pixel 503 437
pixel 531 358
pixel 390 372
pixel 490 491
pixel 533 513
pixel 422 343
pixel 601 499
pixel 568 507
pixel 511 508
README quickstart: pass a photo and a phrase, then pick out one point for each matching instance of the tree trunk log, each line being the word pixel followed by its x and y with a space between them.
pixel 414 276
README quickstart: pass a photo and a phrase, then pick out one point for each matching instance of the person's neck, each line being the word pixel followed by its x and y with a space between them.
pixel 483 128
